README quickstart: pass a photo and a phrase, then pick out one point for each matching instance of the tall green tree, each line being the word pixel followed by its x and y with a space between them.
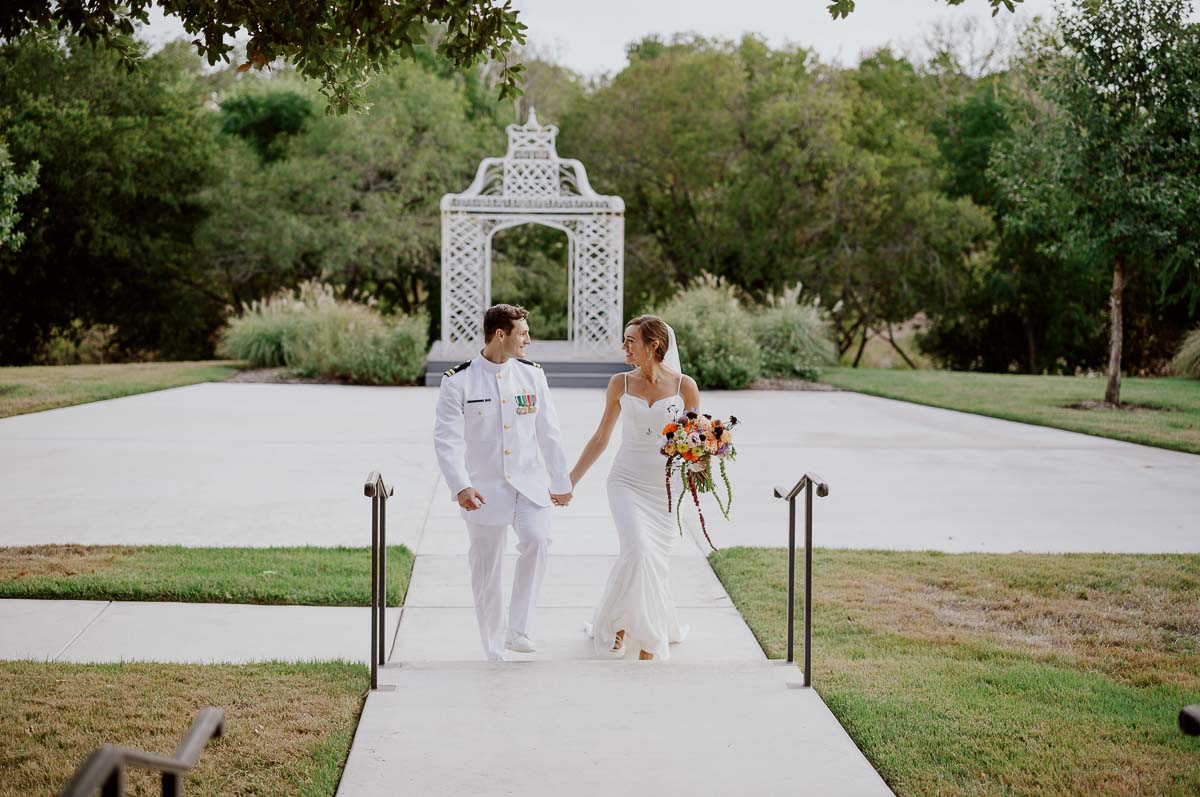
pixel 766 167
pixel 351 199
pixel 1122 162
pixel 108 228
pixel 1028 305
pixel 724 153
pixel 899 245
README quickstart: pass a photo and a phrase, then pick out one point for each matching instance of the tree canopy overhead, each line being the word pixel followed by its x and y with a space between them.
pixel 840 9
pixel 336 42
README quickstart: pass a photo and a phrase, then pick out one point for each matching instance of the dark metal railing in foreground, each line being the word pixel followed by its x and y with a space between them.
pixel 1189 720
pixel 379 493
pixel 105 767
pixel 807 482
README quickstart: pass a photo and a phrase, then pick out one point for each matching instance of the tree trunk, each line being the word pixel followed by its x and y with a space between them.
pixel 896 346
pixel 846 338
pixel 1112 393
pixel 862 344
pixel 1031 346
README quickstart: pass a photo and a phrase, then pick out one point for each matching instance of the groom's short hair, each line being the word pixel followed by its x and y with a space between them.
pixel 501 316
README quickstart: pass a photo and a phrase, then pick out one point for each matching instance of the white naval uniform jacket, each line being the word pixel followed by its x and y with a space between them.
pixel 497 431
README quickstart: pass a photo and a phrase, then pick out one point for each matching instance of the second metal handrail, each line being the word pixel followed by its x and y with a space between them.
pixel 104 768
pixel 1189 720
pixel 379 493
pixel 807 482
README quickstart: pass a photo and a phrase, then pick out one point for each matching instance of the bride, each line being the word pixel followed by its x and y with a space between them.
pixel 636 607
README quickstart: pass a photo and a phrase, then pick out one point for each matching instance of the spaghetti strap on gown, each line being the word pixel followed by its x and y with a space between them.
pixel 637 597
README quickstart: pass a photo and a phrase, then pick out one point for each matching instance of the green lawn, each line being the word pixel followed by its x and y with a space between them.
pixel 288 727
pixel 302 575
pixel 43 387
pixel 1042 400
pixel 997 674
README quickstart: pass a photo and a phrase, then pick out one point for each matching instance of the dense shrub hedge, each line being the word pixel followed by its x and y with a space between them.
pixel 715 335
pixel 726 345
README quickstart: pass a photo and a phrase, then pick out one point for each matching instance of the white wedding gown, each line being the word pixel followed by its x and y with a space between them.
pixel 637 597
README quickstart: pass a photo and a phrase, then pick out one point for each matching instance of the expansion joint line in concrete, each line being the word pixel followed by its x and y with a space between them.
pixel 395 636
pixel 428 511
pixel 86 626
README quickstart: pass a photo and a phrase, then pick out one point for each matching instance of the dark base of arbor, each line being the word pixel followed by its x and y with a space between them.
pixel 564 365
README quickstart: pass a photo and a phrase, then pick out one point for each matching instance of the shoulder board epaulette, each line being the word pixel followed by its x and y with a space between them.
pixel 531 362
pixel 457 368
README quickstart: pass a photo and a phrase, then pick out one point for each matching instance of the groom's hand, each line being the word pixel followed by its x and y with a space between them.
pixel 561 499
pixel 470 499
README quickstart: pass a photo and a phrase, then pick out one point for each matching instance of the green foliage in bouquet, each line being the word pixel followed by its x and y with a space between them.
pixel 715 335
pixel 1187 359
pixel 315 333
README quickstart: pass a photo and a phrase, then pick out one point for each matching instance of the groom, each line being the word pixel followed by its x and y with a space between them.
pixel 494 416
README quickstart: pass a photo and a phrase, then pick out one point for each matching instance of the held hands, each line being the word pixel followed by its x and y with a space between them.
pixel 470 499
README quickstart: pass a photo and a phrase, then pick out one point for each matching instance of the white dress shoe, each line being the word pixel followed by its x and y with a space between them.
pixel 519 643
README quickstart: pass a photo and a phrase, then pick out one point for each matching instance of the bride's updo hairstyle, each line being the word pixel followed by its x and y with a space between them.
pixel 654 334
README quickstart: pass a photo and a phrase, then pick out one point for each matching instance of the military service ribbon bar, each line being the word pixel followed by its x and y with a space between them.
pixel 526 403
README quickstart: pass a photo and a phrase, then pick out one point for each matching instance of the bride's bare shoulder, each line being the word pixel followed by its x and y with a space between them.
pixel 616 384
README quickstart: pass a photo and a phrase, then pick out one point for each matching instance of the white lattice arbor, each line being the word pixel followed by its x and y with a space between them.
pixel 532 185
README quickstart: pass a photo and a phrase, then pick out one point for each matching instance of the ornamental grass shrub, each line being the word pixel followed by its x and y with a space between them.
pixel 715 336
pixel 1187 359
pixel 794 338
pixel 316 333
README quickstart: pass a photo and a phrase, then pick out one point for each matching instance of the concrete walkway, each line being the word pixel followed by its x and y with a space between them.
pixel 185 633
pixel 716 719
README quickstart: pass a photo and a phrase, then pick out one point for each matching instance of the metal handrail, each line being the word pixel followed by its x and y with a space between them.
pixel 104 768
pixel 378 492
pixel 1189 720
pixel 806 483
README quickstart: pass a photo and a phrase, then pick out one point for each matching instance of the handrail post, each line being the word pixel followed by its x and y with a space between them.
pixel 791 582
pixel 808 502
pixel 382 570
pixel 1189 720
pixel 807 483
pixel 374 587
pixel 114 785
pixel 378 492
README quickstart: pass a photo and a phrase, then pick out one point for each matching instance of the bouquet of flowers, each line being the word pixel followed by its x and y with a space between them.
pixel 691 443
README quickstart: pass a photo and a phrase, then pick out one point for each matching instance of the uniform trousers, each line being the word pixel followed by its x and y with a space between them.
pixel 532 525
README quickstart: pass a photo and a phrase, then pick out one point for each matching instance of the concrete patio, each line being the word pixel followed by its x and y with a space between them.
pixel 251 464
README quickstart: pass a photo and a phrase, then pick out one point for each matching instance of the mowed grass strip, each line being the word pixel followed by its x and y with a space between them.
pixel 1044 400
pixel 43 387
pixel 996 674
pixel 288 727
pixel 306 576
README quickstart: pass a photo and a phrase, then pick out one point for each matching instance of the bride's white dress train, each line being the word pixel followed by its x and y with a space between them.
pixel 637 597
